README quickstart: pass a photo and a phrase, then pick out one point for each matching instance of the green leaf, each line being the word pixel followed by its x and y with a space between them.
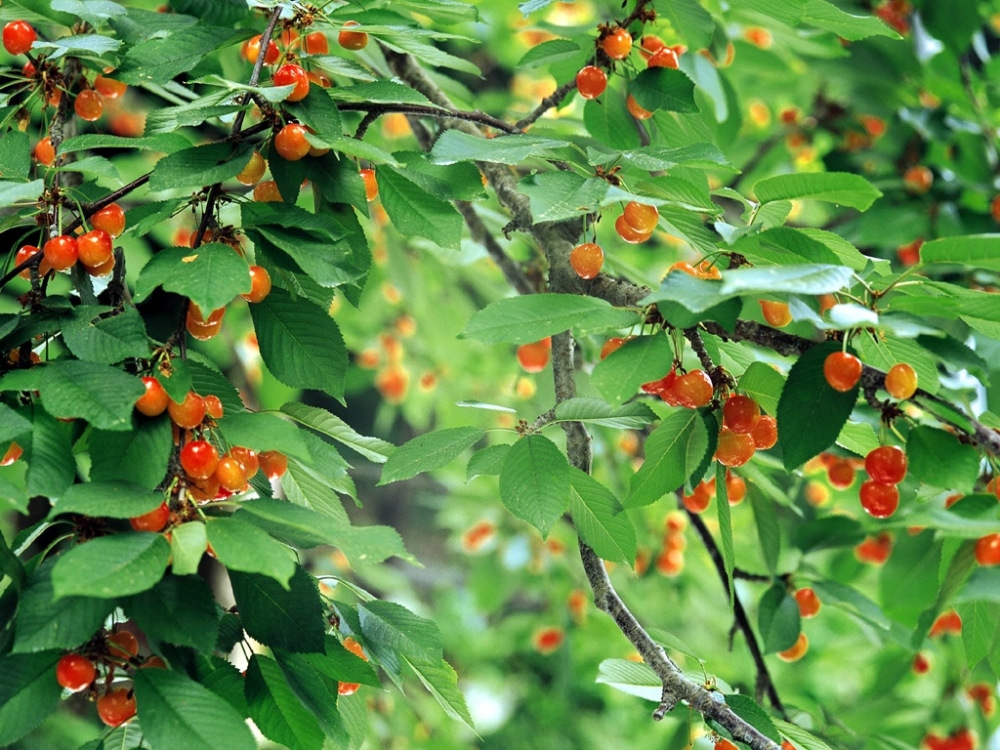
pixel 786 11
pixel 487 462
pixel 315 691
pixel 600 519
pixel 139 456
pixel 859 438
pixel 223 12
pixel 778 620
pixel 937 458
pixel 973 250
pixel 631 678
pixel 242 546
pixel 342 665
pixel 414 212
pixel 111 566
pixel 725 527
pixel 980 635
pixel 535 482
pixel 180 610
pixel 555 196
pixel 188 543
pixel 826 15
pixel 747 709
pixel 442 682
pixel 289 619
pixel 632 416
pixel 908 582
pixel 379 92
pixel 428 452
pixel 165 143
pixel 810 413
pixel 46 624
pixel 841 188
pixel 609 121
pixel 264 431
pixel 107 340
pixel 211 276
pixel 15 154
pixel 852 601
pixel 886 352
pixel 328 424
pixel 200 165
pixel 12 424
pixel 276 710
pixel 639 360
pixel 392 631
pixel 692 23
pixel 159 60
pixel 664 89
pixel 107 500
pixel 295 524
pixel 655 158
pixel 177 713
pixel 300 343
pixel 521 320
pixel 28 693
pixel 764 385
pixel 549 52
pixel 768 530
pixel 673 451
pixel 800 736
pixel 454 146
pixel 88 44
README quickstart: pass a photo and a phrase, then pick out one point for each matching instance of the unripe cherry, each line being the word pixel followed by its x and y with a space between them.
pixel 641 217
pixel 587 260
pixel 901 381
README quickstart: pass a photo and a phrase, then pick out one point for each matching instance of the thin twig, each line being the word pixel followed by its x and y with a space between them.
pixel 552 100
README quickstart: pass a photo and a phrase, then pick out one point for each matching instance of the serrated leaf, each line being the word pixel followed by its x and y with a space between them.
pixel 315 691
pixel 980 634
pixel 107 500
pixel 556 196
pixel 673 452
pixel 188 543
pixel 264 431
pixel 441 681
pixel 778 620
pixel 180 610
pixel 535 482
pixel 825 15
pixel 178 712
pixel 455 146
pixel 937 458
pixel 328 424
pixel 858 437
pixel 28 694
pixel 800 736
pixel 289 619
pixel 748 709
pixel 211 275
pixel 631 678
pixel 600 519
pixel 810 412
pixel 200 165
pixel 764 384
pixel 165 143
pixel 520 320
pixel 768 530
pixel 49 456
pixel 692 22
pixel 107 340
pixel 632 416
pixel 725 527
pixel 850 600
pixel 841 188
pixel 414 212
pixel 12 424
pixel 549 52
pixel 111 566
pixel 158 60
pixel 276 710
pixel 664 89
pixel 295 524
pixel 639 360
pixel 487 462
pixel 242 546
pixel 428 452
pixel 973 250
pixel 139 456
pixel 391 630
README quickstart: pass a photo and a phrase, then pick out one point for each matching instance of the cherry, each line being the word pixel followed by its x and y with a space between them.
pixel 88 105
pixel 684 267
pixel 736 488
pixel 740 414
pixel 260 284
pixel 617 43
pixel 707 270
pixel 290 74
pixel 670 562
pixel 886 464
pixel 901 381
pixel 675 522
pixel 352 40
pixel 694 389
pixel 840 474
pixel 273 463
pixel 189 413
pixel 587 260
pixel 155 520
pixel 349 688
pixel 535 356
pixel 44 152
pixel 316 43
pixel 13 453
pixel 918 179
pixel 879 500
pixel 103 269
pixel 213 406
pixel 591 82
pixel 988 550
pixel 758 37
pixel 921 664
pixel 733 448
pixel 61 252
pixel 155 400
pixel 254 169
pixel 613 344
pixel 842 371
pixel 765 433
pixel 230 473
pixel 116 707
pixel 111 219
pixel 25 252
pixel 641 217
pixel 797 651
pixel 627 233
pixel 251 50
pixel 649 45
pixel 200 327
pixel 123 644
pixel 267 192
pixel 909 254
pixel 371 184
pixel 75 672
pixel 699 499
pixel 199 459
pixel 153 662
pixel 322 81
pixel 947 623
pixel 248 459
pixel 809 602
pixel 663 58
pixel 776 314
pixel 18 36
pixel 664 388
pixel 204 490
pixel 875 549
pixel 995 208
pixel 723 744
pixel 635 110
pixel 109 88
pixel 291 142
pixel 393 383
pixel 94 248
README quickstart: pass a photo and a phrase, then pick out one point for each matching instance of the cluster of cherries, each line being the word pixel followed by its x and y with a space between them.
pixel 94 250
pixel 635 224
pixel 107 652
pixel 670 561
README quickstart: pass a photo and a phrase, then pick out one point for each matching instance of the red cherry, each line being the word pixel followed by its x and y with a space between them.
pixel 88 105
pixel 663 58
pixel 765 433
pixel 24 253
pixel 316 43
pixel 61 252
pixel 75 672
pixel 613 344
pixel 733 448
pixel 290 74
pixel 918 179
pixel 947 623
pixel 683 266
pixel 155 520
pixel 879 500
pixel 371 184
pixel 988 550
pixel 874 550
pixel 617 43
pixel 111 219
pixel 123 644
pixel 14 452
pixel 886 464
pixel 921 664
pixel 94 248
pixel 199 459
pixel 230 473
pixel 636 110
pixel 44 152
pixel 842 371
pixel 591 82
pixel 535 356
pixel 155 400
pixel 272 463
pixel 348 688
pixel 260 284
pixel 352 40
pixel 797 651
pixel 267 192
pixel 809 603
pixel 291 142
pixel 840 474
pixel 251 50
pixel 740 414
pixel 587 260
pixel 116 707
pixel 109 88
pixel 189 413
pixel 641 217
pixel 213 406
pixel 18 36
pixel 248 459
pixel 694 389
pixel 736 488
pixel 699 499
